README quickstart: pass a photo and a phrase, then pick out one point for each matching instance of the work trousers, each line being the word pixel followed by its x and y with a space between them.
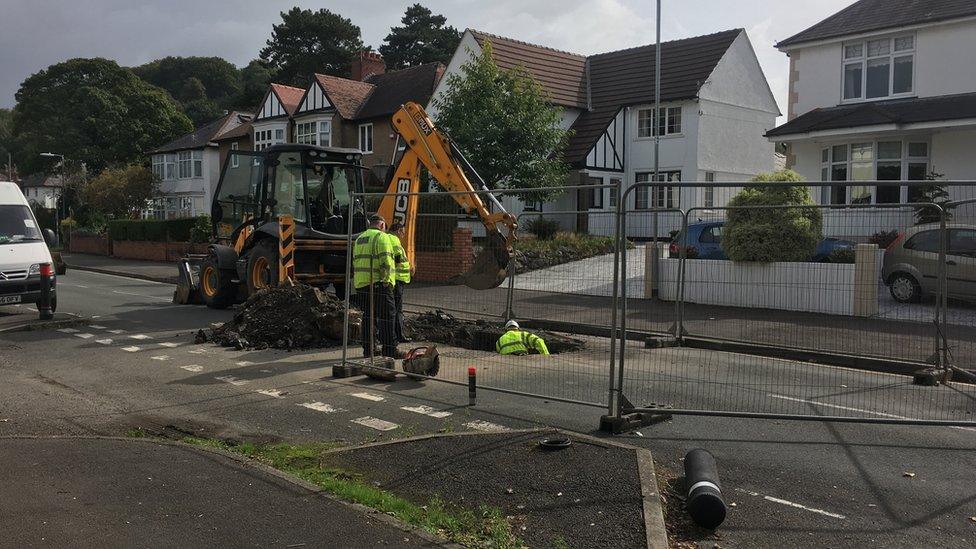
pixel 398 300
pixel 384 308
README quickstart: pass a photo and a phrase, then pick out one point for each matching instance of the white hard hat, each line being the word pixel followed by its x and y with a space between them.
pixel 511 324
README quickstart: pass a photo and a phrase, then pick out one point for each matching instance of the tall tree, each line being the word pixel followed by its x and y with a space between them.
pixel 423 38
pixel 204 86
pixel 94 111
pixel 6 144
pixel 120 191
pixel 505 125
pixel 308 42
pixel 255 78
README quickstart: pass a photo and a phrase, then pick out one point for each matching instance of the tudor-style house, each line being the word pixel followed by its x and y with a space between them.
pixel 716 106
pixel 882 90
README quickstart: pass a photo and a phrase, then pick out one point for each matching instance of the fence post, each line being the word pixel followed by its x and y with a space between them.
pixel 679 303
pixel 942 301
pixel 612 409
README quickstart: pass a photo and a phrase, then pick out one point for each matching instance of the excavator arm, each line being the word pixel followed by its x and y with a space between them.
pixel 428 147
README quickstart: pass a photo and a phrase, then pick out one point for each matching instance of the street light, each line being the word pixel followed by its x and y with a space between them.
pixel 57 194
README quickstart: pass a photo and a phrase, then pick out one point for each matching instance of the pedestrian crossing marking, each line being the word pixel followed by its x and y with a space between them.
pixel 375 423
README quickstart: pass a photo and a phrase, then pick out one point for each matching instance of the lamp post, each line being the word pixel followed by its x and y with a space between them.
pixel 58 194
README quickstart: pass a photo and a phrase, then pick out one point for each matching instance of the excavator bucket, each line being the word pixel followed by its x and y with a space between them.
pixel 490 266
pixel 188 283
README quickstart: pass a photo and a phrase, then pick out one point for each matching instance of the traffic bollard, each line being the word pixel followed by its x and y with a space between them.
pixel 472 385
pixel 704 503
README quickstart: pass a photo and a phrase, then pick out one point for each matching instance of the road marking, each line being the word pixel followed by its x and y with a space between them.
pixel 69 331
pixel 140 336
pixel 375 423
pixel 792 504
pixel 143 295
pixel 132 349
pixel 426 410
pixel 276 393
pixel 198 351
pixel 321 407
pixel 192 368
pixel 848 408
pixel 232 380
pixel 486 426
pixel 129 278
pixel 116 332
pixel 368 396
pixel 84 335
pixel 244 363
pixel 160 357
pixel 169 345
pixel 96 326
pixel 216 324
pixel 104 341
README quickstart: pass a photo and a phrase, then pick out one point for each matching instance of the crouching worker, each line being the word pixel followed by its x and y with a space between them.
pixel 517 342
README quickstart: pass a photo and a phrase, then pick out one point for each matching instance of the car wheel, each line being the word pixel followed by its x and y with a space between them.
pixel 904 288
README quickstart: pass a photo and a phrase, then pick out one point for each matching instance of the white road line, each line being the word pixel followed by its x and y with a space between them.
pixel 160 357
pixel 169 299
pixel 244 363
pixel 104 341
pixel 321 407
pixel 84 335
pixel 216 324
pixel 792 504
pixel 68 331
pixel 426 410
pixel 129 278
pixel 192 368
pixel 96 326
pixel 140 336
pixel 368 396
pixel 116 332
pixel 132 349
pixel 232 380
pixel 848 408
pixel 276 393
pixel 375 423
pixel 169 345
pixel 486 426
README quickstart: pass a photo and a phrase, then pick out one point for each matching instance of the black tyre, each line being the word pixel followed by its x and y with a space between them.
pixel 262 266
pixel 217 286
pixel 904 288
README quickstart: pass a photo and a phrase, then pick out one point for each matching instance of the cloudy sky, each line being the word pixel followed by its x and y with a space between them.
pixel 37 33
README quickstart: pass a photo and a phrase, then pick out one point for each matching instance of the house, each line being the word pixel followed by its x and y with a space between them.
pixel 715 108
pixel 350 112
pixel 188 169
pixel 882 97
pixel 42 189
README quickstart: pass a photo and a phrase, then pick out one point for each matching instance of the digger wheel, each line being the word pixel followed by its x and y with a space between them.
pixel 262 266
pixel 216 285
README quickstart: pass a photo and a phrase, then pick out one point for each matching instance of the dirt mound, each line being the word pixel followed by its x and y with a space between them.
pixel 295 317
pixel 481 335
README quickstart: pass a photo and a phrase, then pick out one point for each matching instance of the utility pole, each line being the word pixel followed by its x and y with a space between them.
pixel 655 187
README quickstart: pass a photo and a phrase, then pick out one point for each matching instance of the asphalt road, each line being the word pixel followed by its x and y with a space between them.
pixel 807 484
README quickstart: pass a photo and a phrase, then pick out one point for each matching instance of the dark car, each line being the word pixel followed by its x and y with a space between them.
pixel 705 242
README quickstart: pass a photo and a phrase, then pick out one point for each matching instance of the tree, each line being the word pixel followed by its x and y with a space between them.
pixel 503 122
pixel 92 110
pixel 255 79
pixel 772 223
pixel 423 38
pixel 6 143
pixel 308 42
pixel 931 194
pixel 204 86
pixel 121 191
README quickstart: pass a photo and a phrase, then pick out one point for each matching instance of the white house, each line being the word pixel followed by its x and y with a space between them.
pixel 188 169
pixel 42 189
pixel 882 90
pixel 716 107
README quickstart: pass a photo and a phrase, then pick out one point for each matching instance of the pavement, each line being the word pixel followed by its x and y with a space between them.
pixel 806 484
pixel 146 270
pixel 96 492
pixel 15 318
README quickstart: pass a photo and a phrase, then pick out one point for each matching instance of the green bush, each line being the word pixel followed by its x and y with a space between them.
pixel 841 256
pixel 68 227
pixel 153 230
pixel 542 228
pixel 178 230
pixel 772 234
pixel 201 230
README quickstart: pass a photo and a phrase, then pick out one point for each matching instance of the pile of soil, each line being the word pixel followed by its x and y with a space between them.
pixel 287 317
pixel 480 335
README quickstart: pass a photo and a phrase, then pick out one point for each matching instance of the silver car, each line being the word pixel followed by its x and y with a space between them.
pixel 911 262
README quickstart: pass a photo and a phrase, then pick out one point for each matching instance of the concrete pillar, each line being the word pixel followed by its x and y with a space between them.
pixel 652 266
pixel 866 280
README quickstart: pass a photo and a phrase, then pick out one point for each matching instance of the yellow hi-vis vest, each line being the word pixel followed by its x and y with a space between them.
pixel 400 259
pixel 372 259
pixel 518 342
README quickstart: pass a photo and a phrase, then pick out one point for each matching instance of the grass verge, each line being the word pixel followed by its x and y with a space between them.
pixel 486 527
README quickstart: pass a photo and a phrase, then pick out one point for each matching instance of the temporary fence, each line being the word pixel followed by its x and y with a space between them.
pixel 667 326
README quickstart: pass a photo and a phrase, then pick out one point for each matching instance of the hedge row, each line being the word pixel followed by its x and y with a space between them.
pixel 167 230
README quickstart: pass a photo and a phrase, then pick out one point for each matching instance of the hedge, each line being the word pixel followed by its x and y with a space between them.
pixel 152 230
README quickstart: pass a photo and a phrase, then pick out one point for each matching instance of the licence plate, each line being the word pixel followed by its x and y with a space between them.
pixel 6 300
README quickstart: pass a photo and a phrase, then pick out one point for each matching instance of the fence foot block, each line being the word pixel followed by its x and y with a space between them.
pixel 631 422
pixel 930 377
pixel 347 370
pixel 660 342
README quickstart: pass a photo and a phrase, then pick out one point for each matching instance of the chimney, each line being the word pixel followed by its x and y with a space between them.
pixel 367 63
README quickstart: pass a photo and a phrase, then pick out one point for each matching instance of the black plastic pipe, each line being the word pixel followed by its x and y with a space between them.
pixel 704 493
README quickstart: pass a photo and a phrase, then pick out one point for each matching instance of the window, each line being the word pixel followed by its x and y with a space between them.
pixel 366 138
pixel 157 165
pixel 596 195
pixel 532 206
pixel 876 69
pixel 962 242
pixel 711 235
pixel 169 167
pixel 279 136
pixel 197 158
pixel 612 200
pixel 709 191
pixel 306 133
pixel 669 122
pixel 925 241
pixel 663 196
pixel 325 133
pixel 185 164
pixel 235 160
pixel 881 161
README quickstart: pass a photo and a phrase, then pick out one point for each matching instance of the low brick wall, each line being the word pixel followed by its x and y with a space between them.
pixel 90 244
pixel 154 251
pixel 443 266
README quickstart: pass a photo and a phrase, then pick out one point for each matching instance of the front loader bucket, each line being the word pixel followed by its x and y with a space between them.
pixel 188 285
pixel 490 266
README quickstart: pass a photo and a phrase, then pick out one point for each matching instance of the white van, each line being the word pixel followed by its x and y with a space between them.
pixel 26 269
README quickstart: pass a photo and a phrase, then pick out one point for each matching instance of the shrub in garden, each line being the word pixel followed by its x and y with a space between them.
pixel 542 228
pixel 883 239
pixel 200 232
pixel 845 255
pixel 786 233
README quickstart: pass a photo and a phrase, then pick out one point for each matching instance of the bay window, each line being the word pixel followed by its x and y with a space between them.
pixel 306 133
pixel 169 167
pixel 197 158
pixel 872 161
pixel 325 133
pixel 659 197
pixel 880 68
pixel 157 166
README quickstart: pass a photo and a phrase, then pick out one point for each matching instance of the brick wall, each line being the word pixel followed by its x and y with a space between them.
pixel 442 266
pixel 90 244
pixel 154 251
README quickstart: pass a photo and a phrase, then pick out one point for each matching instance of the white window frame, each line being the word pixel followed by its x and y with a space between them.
pixel 325 133
pixel 158 163
pixel 668 195
pixel 827 163
pixel 366 138
pixel 615 183
pixel 307 133
pixel 666 119
pixel 184 163
pixel 864 58
pixel 169 167
pixel 235 160
pixel 709 198
pixel 196 158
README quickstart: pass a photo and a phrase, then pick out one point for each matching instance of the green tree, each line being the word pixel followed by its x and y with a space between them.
pixel 6 140
pixel 308 42
pixel 121 191
pixel 423 38
pixel 503 122
pixel 931 194
pixel 255 78
pixel 772 223
pixel 92 110
pixel 204 86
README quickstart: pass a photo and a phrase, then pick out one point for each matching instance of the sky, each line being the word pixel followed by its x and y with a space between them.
pixel 38 33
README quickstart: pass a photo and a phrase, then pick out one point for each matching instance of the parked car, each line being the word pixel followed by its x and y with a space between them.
pixel 911 263
pixel 26 270
pixel 705 242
